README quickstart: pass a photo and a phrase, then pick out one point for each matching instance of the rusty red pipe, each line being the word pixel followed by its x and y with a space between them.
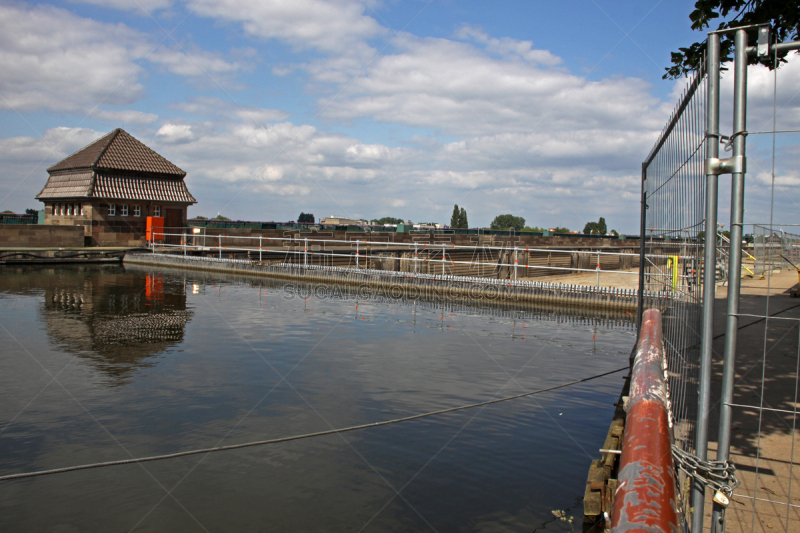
pixel 645 496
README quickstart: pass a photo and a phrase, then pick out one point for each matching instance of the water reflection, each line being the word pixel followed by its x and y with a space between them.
pixel 117 320
pixel 225 361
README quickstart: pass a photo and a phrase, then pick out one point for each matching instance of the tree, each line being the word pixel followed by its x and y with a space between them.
pixel 306 217
pixel 220 217
pixel 783 15
pixel 9 211
pixel 596 228
pixel 200 217
pixel 459 218
pixel 507 222
pixel 31 211
pixel 386 220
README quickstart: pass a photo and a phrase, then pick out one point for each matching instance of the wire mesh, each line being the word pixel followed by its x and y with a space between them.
pixel 765 394
pixel 674 195
pixel 774 249
pixel 767 352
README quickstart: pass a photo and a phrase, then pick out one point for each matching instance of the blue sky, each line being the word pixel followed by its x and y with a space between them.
pixel 362 108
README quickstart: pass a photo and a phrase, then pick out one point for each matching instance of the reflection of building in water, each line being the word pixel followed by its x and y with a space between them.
pixel 119 321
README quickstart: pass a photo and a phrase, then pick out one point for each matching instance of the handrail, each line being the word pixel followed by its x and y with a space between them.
pixel 423 252
pixel 645 496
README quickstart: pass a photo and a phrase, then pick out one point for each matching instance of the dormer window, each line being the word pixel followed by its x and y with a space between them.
pixel 137 210
pixel 124 210
pixel 112 210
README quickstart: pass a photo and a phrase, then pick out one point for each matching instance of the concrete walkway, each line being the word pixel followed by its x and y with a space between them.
pixel 763 442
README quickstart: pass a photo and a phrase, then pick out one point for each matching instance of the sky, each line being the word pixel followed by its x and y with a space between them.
pixel 370 108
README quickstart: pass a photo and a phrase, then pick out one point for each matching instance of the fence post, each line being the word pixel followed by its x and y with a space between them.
pixel 642 231
pixel 598 268
pixel 305 252
pixel 516 262
pixel 259 250
pixel 219 237
pixel 356 254
pixel 184 243
pixel 734 257
pixel 709 277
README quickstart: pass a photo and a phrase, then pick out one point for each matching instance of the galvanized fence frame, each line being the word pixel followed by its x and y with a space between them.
pixel 672 247
pixel 689 148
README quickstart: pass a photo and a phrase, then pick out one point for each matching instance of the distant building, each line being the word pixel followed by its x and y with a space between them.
pixel 111 186
pixel 343 221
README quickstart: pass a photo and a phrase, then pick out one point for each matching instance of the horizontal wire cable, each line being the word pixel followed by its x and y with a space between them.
pixel 296 437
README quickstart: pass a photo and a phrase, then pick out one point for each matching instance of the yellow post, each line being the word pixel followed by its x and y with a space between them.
pixel 674 260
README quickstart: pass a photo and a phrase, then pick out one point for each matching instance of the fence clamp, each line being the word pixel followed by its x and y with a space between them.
pixel 731 165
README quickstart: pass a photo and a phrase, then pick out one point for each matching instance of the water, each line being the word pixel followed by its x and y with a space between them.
pixel 98 364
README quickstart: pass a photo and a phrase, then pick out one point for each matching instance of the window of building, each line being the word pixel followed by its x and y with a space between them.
pixel 124 210
pixel 137 210
pixel 71 209
pixel 112 210
pixel 83 213
pixel 63 209
pixel 157 211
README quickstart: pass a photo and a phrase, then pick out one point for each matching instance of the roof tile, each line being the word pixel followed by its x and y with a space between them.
pixel 121 187
pixel 67 185
pixel 118 150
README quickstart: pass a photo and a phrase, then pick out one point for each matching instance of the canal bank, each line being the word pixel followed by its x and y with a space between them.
pixel 403 284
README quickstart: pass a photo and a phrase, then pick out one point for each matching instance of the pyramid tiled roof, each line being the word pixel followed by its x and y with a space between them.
pixel 116 166
pixel 118 150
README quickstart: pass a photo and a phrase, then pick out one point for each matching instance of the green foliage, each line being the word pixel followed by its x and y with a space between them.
pixel 220 217
pixel 31 211
pixel 534 228
pixel 306 217
pixel 507 222
pixel 459 218
pixel 783 15
pixel 8 211
pixel 596 228
pixel 561 230
pixel 200 217
pixel 386 220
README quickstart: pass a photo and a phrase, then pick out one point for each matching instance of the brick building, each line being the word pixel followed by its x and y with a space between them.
pixel 111 186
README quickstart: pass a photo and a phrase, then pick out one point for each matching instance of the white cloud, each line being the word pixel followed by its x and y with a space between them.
pixel 509 48
pixel 458 89
pixel 195 63
pixel 148 6
pixel 331 26
pixel 175 133
pixel 54 60
pixel 126 116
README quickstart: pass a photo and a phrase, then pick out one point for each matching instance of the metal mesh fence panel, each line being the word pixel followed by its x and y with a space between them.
pixel 674 194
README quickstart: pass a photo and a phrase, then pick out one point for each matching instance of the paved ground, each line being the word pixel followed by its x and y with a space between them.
pixel 763 442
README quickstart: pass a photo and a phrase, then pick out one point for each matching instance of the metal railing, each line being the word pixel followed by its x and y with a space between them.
pixel 673 204
pixel 505 262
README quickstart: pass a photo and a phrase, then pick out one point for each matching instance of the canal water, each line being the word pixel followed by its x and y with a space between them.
pixel 101 364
